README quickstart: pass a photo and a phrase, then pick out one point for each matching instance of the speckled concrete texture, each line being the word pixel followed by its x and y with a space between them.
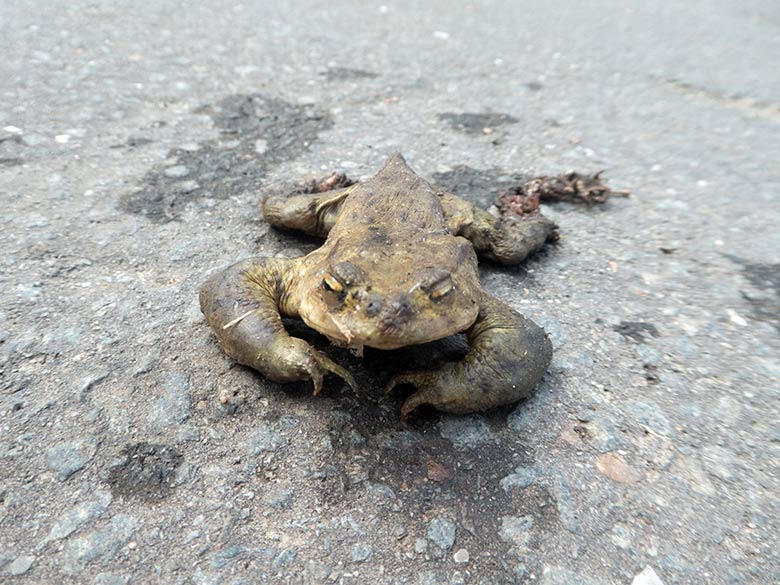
pixel 136 140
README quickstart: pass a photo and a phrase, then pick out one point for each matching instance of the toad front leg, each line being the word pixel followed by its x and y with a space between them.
pixel 313 209
pixel 509 355
pixel 244 305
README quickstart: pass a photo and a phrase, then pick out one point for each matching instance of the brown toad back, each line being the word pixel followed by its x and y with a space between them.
pixel 406 278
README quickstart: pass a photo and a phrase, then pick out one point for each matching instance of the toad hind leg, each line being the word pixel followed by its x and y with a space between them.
pixel 244 305
pixel 509 355
pixel 518 228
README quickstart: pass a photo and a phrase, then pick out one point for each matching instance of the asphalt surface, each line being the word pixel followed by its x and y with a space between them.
pixel 135 142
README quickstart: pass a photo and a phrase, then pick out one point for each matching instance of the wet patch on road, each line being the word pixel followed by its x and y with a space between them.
pixel 147 472
pixel 256 132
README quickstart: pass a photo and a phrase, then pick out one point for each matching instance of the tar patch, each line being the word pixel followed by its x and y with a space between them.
pixel 256 132
pixel 148 471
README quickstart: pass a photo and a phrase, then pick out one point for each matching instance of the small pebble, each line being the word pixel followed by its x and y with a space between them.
pixel 103 544
pixel 647 577
pixel 172 405
pixel 621 536
pixel 516 530
pixel 285 557
pixel 465 432
pixel 461 556
pixel 177 171
pixel 280 498
pixel 263 439
pixel 81 514
pixel 441 531
pixel 318 571
pixel 88 382
pixel 614 467
pixel 695 475
pixel 68 457
pixel 361 552
pixel 719 462
pixel 186 186
pixel 21 565
pixel 521 478
pixel 650 416
pixel 111 579
pixel 736 318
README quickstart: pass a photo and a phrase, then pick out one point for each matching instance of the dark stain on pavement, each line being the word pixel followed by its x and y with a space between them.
pixel 9 148
pixel 477 124
pixel 432 477
pixel 481 186
pixel 147 472
pixel 428 474
pixel 637 331
pixel 347 74
pixel 765 298
pixel 256 132
pixel 133 142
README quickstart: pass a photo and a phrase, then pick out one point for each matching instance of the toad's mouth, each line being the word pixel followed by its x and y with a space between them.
pixel 387 333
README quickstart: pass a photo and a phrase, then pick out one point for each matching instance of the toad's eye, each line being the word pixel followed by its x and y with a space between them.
pixel 441 288
pixel 348 274
pixel 332 284
pixel 437 283
pixel 343 275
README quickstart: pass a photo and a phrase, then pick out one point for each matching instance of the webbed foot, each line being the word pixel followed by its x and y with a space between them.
pixel 434 388
pixel 509 355
pixel 244 305
pixel 289 359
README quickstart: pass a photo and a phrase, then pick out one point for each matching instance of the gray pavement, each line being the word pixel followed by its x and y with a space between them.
pixel 135 141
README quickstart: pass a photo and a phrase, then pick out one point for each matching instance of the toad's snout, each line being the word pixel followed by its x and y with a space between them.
pixel 396 313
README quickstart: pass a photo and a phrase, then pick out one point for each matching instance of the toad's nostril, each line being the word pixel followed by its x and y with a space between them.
pixel 373 307
pixel 396 314
pixel 401 305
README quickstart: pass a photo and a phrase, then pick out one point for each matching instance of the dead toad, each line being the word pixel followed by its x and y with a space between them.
pixel 398 268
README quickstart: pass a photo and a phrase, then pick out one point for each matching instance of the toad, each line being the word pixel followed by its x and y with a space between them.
pixel 398 268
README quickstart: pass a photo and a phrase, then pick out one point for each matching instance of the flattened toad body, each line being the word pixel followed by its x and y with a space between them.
pixel 398 268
